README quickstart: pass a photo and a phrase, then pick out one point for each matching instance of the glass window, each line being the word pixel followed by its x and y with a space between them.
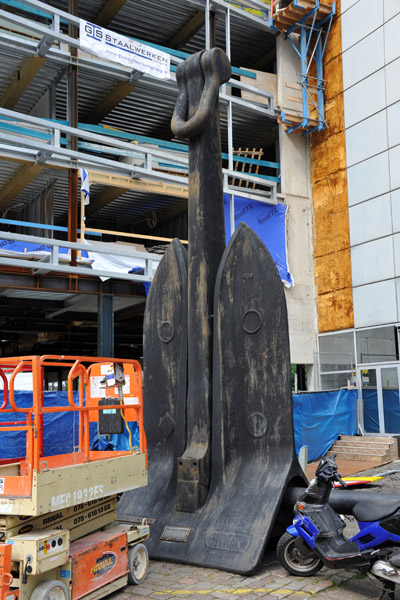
pixel 336 352
pixel 335 360
pixel 336 381
pixel 377 345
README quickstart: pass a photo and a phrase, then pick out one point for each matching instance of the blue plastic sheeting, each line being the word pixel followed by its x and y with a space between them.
pixel 116 441
pixel 391 410
pixel 268 221
pixel 61 430
pixel 320 417
pixel 28 248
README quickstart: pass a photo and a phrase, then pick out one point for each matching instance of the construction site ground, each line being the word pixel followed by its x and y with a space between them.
pixel 271 581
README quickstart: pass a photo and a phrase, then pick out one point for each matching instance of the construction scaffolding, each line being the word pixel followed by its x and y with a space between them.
pixel 65 109
pixel 311 20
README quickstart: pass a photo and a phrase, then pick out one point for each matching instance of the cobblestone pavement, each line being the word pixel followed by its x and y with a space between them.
pixel 271 581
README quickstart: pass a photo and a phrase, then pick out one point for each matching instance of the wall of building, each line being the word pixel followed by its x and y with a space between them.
pixel 371 82
pixel 294 159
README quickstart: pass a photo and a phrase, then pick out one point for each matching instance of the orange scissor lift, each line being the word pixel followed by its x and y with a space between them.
pixel 58 537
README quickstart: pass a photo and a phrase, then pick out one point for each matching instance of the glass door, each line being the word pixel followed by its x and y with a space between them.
pixel 370 404
pixel 379 390
pixel 390 399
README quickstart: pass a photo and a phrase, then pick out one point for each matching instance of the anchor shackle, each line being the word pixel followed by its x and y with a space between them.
pixel 214 66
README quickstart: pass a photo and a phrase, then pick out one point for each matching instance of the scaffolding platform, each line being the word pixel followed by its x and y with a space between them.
pixel 311 20
pixel 292 121
pixel 284 18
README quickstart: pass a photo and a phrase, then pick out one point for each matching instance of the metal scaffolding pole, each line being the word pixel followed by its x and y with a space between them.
pixel 72 90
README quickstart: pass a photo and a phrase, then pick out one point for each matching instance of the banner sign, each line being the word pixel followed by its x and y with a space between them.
pixel 112 46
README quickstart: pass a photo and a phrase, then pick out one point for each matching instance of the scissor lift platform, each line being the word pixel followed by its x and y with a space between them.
pixel 51 489
pixel 52 506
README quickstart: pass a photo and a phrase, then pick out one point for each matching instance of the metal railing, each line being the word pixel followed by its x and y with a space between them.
pixel 44 141
pixel 51 263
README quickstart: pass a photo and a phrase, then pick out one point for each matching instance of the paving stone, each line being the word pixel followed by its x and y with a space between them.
pixel 204 585
pixel 169 581
pixel 275 585
pixel 198 597
pixel 284 581
pixel 317 586
pixel 348 574
pixel 281 593
pixel 337 580
pixel 253 596
pixel 298 584
pixel 131 597
pixel 186 580
pixel 141 590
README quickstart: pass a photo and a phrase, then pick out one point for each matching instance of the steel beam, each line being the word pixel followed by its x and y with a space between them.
pixel 25 174
pixel 120 91
pixel 105 326
pixel 11 279
pixel 110 10
pixel 28 70
pixel 188 30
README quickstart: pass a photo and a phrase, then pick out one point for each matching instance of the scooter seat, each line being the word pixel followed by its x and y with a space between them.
pixel 365 510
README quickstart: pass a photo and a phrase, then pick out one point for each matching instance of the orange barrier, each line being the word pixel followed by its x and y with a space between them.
pixel 88 371
pixel 6 578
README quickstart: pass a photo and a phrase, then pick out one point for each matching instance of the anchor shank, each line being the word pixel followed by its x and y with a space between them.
pixel 206 245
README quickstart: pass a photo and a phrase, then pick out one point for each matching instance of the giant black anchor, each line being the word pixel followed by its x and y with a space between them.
pixel 196 117
pixel 217 393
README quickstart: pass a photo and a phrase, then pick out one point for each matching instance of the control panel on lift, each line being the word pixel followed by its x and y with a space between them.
pixel 41 550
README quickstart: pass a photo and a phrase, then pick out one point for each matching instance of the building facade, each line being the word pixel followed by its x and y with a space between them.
pixel 357 252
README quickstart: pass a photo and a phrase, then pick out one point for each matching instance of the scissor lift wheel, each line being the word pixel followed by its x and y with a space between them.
pixel 138 561
pixel 50 590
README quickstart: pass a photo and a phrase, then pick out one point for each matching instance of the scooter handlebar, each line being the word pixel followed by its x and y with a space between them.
pixel 340 480
pixel 327 471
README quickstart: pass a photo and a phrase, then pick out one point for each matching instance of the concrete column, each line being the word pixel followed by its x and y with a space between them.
pixel 296 190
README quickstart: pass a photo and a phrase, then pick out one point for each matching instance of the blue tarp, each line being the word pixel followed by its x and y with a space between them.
pixel 268 221
pixel 60 429
pixel 320 417
pixel 26 248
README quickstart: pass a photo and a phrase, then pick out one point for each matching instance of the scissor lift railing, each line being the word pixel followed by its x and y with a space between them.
pixel 38 484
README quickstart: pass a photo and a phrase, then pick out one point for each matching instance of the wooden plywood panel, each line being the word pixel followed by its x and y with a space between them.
pixel 329 157
pixel 329 182
pixel 331 233
pixel 333 272
pixel 334 45
pixel 264 81
pixel 335 310
pixel 334 78
pixel 330 194
pixel 334 115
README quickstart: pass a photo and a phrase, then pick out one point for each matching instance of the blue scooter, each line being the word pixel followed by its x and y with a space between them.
pixel 316 537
